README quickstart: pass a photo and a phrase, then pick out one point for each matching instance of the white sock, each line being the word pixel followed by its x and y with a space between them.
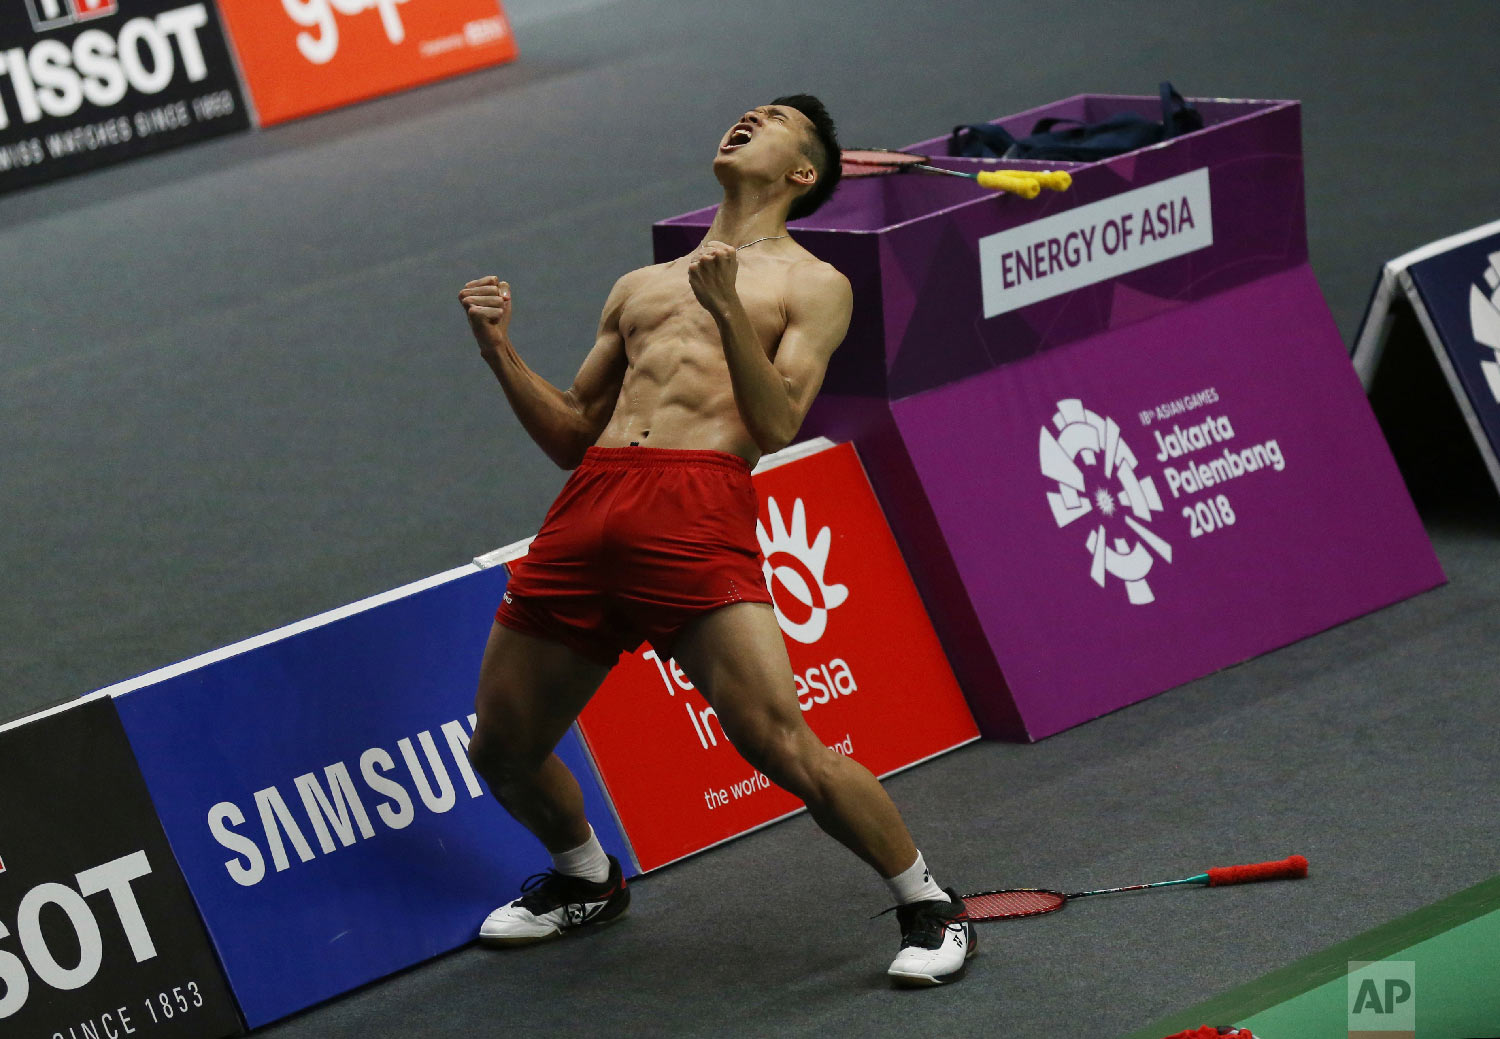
pixel 915 884
pixel 587 860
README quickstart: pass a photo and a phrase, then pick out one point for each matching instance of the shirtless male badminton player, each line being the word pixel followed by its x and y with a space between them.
pixel 699 366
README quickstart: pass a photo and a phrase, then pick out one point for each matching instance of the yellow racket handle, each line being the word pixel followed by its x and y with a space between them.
pixel 1026 183
pixel 1052 180
pixel 1011 181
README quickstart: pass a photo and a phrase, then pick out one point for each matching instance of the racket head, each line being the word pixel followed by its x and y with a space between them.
pixel 1012 903
pixel 875 162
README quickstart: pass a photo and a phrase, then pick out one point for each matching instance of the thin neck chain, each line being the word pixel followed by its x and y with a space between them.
pixel 768 238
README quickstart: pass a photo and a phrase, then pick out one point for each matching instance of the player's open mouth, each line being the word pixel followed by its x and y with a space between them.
pixel 738 137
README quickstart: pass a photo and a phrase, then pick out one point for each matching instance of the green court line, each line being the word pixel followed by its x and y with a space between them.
pixel 1453 992
pixel 1331 964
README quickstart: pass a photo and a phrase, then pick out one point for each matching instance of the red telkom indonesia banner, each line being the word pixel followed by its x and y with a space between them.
pixel 304 56
pixel 871 678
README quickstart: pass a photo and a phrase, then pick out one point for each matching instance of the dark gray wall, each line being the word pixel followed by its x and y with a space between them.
pixel 235 388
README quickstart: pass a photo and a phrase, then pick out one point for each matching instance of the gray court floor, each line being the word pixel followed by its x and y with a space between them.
pixel 235 390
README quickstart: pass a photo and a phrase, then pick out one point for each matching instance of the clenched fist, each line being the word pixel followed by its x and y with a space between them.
pixel 486 302
pixel 711 273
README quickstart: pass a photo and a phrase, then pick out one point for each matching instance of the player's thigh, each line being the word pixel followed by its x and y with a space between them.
pixel 737 659
pixel 530 691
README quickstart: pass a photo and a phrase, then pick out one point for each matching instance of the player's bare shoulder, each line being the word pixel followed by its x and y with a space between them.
pixel 632 281
pixel 628 286
pixel 819 278
pixel 818 291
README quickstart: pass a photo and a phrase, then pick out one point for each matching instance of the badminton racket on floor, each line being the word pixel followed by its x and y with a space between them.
pixel 1017 902
pixel 879 162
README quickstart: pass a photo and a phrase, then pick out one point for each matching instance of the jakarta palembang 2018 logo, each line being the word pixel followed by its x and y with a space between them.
pixel 1484 317
pixel 1094 470
pixel 794 571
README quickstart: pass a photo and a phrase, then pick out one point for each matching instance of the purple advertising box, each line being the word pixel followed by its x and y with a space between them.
pixel 1114 429
pixel 951 279
pixel 1159 502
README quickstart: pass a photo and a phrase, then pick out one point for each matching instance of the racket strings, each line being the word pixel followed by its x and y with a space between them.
pixel 873 162
pixel 992 905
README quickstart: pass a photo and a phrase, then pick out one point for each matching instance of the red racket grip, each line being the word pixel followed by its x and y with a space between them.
pixel 1286 869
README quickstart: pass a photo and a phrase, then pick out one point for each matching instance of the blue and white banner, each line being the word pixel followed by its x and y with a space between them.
pixel 316 790
pixel 1453 286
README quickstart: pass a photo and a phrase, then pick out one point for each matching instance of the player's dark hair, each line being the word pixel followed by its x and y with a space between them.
pixel 824 154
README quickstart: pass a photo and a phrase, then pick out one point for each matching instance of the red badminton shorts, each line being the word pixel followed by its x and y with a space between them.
pixel 640 541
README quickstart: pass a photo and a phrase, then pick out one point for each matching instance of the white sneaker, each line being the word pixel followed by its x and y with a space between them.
pixel 554 903
pixel 936 941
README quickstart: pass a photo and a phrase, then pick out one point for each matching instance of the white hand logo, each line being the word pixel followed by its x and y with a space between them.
pixel 794 573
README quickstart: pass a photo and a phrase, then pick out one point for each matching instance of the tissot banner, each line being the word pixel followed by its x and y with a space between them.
pixel 869 675
pixel 98 934
pixel 318 794
pixel 89 82
pixel 306 56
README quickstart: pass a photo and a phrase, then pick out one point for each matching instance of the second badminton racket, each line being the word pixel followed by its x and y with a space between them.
pixel 878 162
pixel 1018 902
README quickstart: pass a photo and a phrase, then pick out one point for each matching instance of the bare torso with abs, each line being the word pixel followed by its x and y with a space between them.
pixel 675 390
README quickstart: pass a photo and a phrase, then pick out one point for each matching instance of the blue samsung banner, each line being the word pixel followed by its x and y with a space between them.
pixel 1453 287
pixel 316 791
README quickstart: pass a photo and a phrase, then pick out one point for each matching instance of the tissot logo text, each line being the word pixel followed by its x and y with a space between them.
pixel 99 67
pixel 67 951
